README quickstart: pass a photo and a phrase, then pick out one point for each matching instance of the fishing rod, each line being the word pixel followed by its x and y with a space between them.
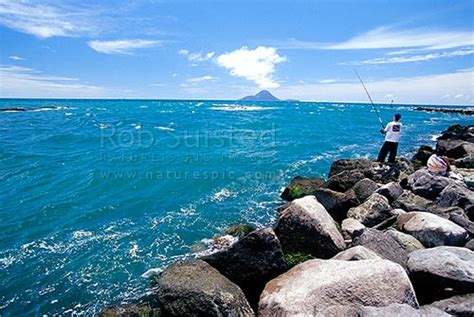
pixel 371 101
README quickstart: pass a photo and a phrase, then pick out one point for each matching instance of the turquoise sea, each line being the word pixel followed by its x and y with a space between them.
pixel 96 193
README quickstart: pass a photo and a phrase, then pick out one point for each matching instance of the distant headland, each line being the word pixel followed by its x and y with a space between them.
pixel 263 95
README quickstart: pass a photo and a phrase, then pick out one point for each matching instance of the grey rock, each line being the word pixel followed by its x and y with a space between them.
pixel 461 305
pixel 356 253
pixel 456 148
pixel 392 191
pixel 251 262
pixel 371 212
pixel 327 283
pixel 336 203
pixel 465 162
pixel 351 227
pixel 382 244
pixel 364 188
pixel 470 245
pixel 406 241
pixel 344 181
pixel 436 269
pixel 411 202
pixel 343 165
pixel 457 195
pixel 130 311
pixel 423 154
pixel 305 226
pixel 194 288
pixel 300 187
pixel 431 230
pixel 427 185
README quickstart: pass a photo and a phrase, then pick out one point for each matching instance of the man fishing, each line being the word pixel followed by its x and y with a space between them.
pixel 392 135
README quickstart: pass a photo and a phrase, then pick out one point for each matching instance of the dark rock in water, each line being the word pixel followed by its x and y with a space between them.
pixel 194 288
pixel 461 305
pixel 305 226
pixel 392 191
pixel 423 154
pixel 251 262
pixel 446 110
pixel 411 202
pixel 364 188
pixel 465 162
pixel 427 185
pixel 458 132
pixel 240 230
pixel 470 245
pixel 407 242
pixel 336 203
pixel 434 270
pixel 344 181
pixel 356 253
pixel 300 187
pixel 263 95
pixel 314 287
pixel 431 230
pixel 382 244
pixel 457 195
pixel 351 228
pixel 373 211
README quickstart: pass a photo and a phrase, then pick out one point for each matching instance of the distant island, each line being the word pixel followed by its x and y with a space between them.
pixel 263 95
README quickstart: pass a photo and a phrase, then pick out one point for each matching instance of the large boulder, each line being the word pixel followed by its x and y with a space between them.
pixel 305 226
pixel 390 310
pixel 458 132
pixel 461 305
pixel 300 187
pixel 344 181
pixel 251 262
pixel 194 288
pixel 356 253
pixel 343 165
pixel 364 188
pixel 336 203
pixel 423 154
pixel 313 287
pixel 350 228
pixel 465 162
pixel 438 270
pixel 371 212
pixel 427 185
pixel 382 244
pixel 130 311
pixel 392 191
pixel 431 230
pixel 457 195
pixel 411 202
pixel 456 148
pixel 406 241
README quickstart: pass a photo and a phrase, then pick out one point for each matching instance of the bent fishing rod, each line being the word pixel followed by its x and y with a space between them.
pixel 370 98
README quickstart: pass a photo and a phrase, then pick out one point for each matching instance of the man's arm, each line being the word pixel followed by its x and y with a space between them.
pixel 383 131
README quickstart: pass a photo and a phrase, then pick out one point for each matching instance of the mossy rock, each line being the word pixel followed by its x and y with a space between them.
pixel 130 311
pixel 295 258
pixel 240 230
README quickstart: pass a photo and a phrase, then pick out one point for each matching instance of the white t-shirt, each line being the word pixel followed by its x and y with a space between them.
pixel 393 131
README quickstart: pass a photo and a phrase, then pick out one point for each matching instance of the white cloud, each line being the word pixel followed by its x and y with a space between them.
pixel 15 58
pixel 388 37
pixel 430 89
pixel 23 82
pixel 44 20
pixel 414 58
pixel 327 81
pixel 196 57
pixel 200 79
pixel 257 65
pixel 126 46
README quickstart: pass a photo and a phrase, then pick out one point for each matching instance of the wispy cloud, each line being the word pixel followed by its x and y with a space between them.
pixel 29 83
pixel 15 58
pixel 125 46
pixel 257 65
pixel 200 79
pixel 44 20
pixel 196 57
pixel 388 37
pixel 429 89
pixel 327 81
pixel 413 58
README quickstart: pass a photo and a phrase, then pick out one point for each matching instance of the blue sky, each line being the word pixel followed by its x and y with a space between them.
pixel 407 51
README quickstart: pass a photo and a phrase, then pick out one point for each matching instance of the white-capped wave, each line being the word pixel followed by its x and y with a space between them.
pixel 136 126
pixel 164 128
pixel 236 107
pixel 222 194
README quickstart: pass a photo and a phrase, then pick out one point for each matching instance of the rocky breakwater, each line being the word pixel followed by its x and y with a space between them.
pixel 370 240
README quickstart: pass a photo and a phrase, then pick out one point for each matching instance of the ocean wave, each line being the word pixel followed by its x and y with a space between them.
pixel 230 107
pixel 136 125
pixel 222 195
pixel 164 128
pixel 46 108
